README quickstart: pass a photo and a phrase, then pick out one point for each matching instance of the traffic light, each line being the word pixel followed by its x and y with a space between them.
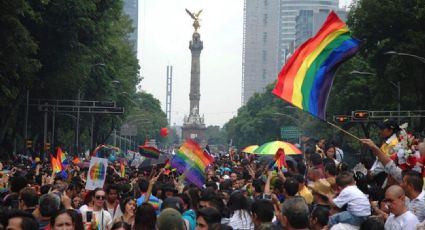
pixel 46 147
pixel 342 118
pixel 361 115
pixel 28 143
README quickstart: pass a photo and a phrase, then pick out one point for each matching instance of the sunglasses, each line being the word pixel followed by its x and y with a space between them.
pixel 100 197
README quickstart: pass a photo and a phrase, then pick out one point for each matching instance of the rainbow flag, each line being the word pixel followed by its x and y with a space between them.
pixel 56 165
pixel 280 158
pixel 122 168
pixel 306 79
pixel 61 156
pixel 191 161
pixel 149 151
pixel 76 160
pixel 98 171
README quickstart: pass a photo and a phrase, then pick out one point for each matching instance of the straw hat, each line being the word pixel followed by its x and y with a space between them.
pixel 322 187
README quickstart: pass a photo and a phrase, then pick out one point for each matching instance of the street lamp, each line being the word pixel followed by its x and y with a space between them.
pixel 419 58
pixel 396 85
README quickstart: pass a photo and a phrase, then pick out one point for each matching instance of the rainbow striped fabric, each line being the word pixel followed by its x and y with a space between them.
pixel 122 168
pixel 98 171
pixel 191 161
pixel 306 79
pixel 56 164
pixel 149 151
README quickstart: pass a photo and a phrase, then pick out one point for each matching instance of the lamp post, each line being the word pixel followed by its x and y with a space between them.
pixel 396 85
pixel 419 58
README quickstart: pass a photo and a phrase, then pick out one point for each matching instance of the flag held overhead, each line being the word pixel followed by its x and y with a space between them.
pixel 306 79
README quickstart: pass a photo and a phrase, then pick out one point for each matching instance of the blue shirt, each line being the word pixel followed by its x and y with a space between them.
pixel 153 200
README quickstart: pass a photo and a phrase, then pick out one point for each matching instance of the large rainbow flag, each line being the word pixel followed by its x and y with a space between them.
pixel 306 79
pixel 191 161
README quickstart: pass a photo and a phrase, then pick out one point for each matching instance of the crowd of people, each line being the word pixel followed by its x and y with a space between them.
pixel 315 190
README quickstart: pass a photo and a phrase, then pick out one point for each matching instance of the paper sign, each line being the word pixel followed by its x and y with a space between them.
pixel 97 173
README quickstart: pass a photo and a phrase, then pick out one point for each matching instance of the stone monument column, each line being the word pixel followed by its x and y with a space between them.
pixel 193 125
pixel 195 47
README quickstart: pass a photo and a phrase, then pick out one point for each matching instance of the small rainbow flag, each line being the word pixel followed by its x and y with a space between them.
pixel 56 165
pixel 306 79
pixel 76 160
pixel 122 168
pixel 149 151
pixel 61 156
pixel 280 158
pixel 192 161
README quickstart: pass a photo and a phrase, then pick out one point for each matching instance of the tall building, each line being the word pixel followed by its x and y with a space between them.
pixel 308 22
pixel 289 10
pixel 260 45
pixel 269 36
pixel 131 8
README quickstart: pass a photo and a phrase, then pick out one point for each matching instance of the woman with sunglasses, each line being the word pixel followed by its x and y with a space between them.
pixel 97 217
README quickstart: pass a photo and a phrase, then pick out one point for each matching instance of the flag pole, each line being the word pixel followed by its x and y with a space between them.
pixel 343 130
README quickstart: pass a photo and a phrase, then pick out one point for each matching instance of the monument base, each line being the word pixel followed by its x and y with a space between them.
pixel 196 132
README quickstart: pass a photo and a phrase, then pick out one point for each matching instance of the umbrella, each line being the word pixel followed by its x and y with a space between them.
pixel 249 149
pixel 270 148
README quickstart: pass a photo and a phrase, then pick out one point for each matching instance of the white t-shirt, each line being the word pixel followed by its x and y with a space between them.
pixel 358 203
pixel 100 215
pixel 344 226
pixel 406 221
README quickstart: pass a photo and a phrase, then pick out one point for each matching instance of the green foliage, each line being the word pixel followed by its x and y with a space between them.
pixel 215 135
pixel 58 49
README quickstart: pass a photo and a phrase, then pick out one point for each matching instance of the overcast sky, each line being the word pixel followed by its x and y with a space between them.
pixel 164 33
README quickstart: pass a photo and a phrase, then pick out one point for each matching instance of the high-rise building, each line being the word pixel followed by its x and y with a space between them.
pixel 308 22
pixel 131 8
pixel 289 10
pixel 269 37
pixel 260 45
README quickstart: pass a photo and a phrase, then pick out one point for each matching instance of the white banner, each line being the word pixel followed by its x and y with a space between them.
pixel 97 173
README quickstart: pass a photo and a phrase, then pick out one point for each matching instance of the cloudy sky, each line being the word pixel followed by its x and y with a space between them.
pixel 164 33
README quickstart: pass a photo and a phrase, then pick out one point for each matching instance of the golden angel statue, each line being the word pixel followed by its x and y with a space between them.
pixel 195 17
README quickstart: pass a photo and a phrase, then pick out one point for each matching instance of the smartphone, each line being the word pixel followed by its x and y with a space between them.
pixel 89 216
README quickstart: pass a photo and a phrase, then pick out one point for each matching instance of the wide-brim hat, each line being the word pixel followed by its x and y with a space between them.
pixel 322 187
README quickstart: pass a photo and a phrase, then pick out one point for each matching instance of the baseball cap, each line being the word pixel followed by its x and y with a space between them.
pixel 173 202
pixel 390 124
pixel 169 218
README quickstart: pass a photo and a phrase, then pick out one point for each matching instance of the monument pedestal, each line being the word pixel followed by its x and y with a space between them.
pixel 194 127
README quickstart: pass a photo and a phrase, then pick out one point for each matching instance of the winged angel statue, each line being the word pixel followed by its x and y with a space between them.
pixel 195 17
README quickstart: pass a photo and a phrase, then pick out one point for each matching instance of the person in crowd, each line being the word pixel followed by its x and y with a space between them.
pixel 319 218
pixel 413 187
pixel 388 132
pixel 153 200
pixel 170 218
pixel 62 220
pixel 303 190
pixel 208 219
pixel 330 174
pixel 126 211
pixel 16 183
pixel 262 213
pixel 330 154
pixel 358 206
pixel 240 217
pixel 112 201
pixel 145 218
pixel 19 220
pixel 339 153
pixel 321 192
pixel 121 226
pixel 314 174
pixel 49 204
pixel 188 214
pixel 400 217
pixel 295 214
pixel 372 222
pixel 291 186
pixel 97 217
pixel 28 200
